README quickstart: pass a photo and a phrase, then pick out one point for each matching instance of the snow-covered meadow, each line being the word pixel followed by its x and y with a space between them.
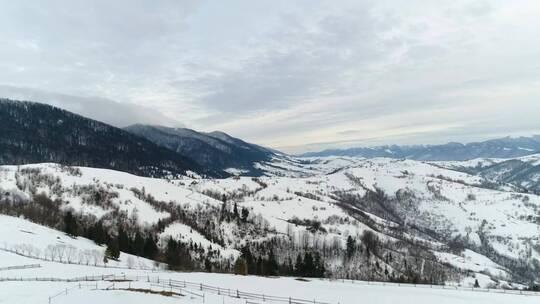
pixel 448 201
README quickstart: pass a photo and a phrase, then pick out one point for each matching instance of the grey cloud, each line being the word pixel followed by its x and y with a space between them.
pixel 102 109
pixel 281 72
pixel 301 61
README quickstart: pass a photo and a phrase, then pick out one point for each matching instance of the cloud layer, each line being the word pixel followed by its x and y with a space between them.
pixel 296 76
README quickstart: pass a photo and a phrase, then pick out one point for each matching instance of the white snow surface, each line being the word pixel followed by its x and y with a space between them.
pixel 449 201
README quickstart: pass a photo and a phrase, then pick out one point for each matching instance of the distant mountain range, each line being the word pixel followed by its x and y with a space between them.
pixel 36 133
pixel 215 150
pixel 496 148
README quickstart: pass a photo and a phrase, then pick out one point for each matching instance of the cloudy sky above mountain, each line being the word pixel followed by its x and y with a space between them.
pixel 293 75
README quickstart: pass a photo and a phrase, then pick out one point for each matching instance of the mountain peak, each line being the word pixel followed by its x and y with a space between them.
pixel 216 149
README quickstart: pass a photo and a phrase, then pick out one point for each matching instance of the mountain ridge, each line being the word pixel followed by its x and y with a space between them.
pixel 216 149
pixel 37 133
pixel 506 147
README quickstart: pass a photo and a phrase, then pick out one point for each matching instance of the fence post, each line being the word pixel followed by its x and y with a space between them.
pixel 237 294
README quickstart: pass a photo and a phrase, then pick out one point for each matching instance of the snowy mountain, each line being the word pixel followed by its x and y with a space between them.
pixel 377 219
pixel 33 132
pixel 523 172
pixel 215 150
pixel 77 191
pixel 497 148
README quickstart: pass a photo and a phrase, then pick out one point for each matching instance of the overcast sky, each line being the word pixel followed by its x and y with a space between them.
pixel 292 75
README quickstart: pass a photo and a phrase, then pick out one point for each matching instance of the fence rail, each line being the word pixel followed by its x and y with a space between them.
pixel 446 287
pixel 66 290
pixel 199 289
pixel 20 267
pixel 170 283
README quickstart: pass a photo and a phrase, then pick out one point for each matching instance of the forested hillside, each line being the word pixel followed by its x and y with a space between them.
pixel 385 220
pixel 37 133
pixel 213 150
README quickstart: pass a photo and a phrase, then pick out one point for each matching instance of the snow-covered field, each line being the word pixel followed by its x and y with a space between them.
pixel 446 200
pixel 114 291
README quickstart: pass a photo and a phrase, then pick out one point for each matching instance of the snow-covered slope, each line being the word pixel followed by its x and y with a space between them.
pixel 456 219
pixel 115 285
pixel 523 172
pixel 22 240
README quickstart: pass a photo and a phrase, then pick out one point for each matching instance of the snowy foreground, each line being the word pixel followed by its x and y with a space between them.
pixel 54 282
pixel 43 265
pixel 36 280
pixel 320 291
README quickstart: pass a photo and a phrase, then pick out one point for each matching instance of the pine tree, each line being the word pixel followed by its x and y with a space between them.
pixel 235 210
pixel 123 240
pixel 245 214
pixel 70 224
pixel 299 268
pixel 207 265
pixel 248 257
pixel 150 247
pixel 272 265
pixel 172 255
pixel 319 266
pixel 260 266
pixel 138 244
pixel 100 237
pixel 113 251
pixel 309 265
pixel 351 247
pixel 240 266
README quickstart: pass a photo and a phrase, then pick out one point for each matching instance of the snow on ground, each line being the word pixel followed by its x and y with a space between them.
pixel 115 181
pixel 186 234
pixel 470 260
pixel 319 290
pixel 448 200
pixel 24 237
